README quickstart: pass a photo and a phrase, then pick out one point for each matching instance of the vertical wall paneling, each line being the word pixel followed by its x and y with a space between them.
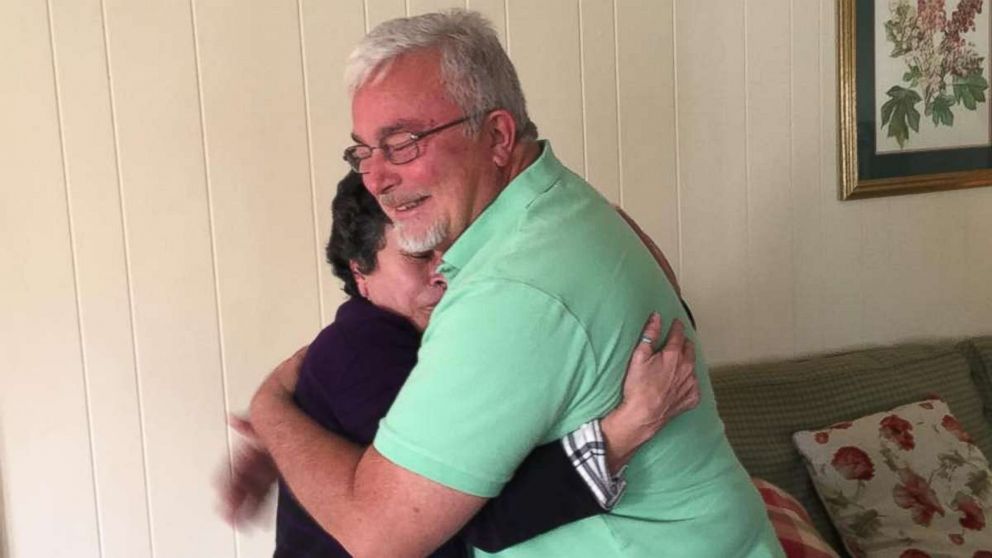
pixel 258 169
pixel 4 545
pixel 46 455
pixel 424 6
pixel 807 235
pixel 101 274
pixel 166 174
pixel 377 11
pixel 942 262
pixel 329 32
pixel 546 35
pixel 877 256
pixel 495 11
pixel 840 257
pixel 599 97
pixel 712 160
pixel 645 32
pixel 250 63
pixel 978 270
pixel 155 92
pixel 769 199
pixel 910 245
pixel 952 255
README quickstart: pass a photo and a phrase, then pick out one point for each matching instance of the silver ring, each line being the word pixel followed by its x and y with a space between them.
pixel 646 339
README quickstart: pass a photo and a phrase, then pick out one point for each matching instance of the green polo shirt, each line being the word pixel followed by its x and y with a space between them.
pixel 547 293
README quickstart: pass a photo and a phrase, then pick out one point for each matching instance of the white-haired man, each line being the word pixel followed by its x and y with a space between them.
pixel 546 287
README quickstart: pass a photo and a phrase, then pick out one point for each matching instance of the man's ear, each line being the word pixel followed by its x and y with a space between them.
pixel 363 288
pixel 501 131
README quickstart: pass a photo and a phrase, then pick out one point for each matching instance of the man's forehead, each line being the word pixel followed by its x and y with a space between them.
pixel 404 91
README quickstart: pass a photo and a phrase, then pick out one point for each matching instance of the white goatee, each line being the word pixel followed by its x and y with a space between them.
pixel 426 241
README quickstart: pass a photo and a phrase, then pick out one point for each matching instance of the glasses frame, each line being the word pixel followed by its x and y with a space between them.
pixel 413 139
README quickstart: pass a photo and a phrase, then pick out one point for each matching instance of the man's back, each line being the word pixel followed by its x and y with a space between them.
pixel 547 289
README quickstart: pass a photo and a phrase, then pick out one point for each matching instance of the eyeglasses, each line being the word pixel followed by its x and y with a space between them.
pixel 398 148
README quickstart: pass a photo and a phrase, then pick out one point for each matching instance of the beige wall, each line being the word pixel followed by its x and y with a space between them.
pixel 165 174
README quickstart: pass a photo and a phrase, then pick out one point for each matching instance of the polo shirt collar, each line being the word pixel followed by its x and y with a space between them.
pixel 501 215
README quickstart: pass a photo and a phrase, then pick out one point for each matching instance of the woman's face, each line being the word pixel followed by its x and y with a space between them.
pixel 403 283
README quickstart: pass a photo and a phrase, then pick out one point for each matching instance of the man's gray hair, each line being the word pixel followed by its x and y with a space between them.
pixel 477 73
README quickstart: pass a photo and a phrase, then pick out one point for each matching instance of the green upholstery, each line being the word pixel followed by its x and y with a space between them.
pixel 763 404
pixel 978 351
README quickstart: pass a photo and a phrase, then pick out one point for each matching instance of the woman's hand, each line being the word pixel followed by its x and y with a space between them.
pixel 243 487
pixel 659 386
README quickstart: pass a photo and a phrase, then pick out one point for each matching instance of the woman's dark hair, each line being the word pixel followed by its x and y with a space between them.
pixel 358 231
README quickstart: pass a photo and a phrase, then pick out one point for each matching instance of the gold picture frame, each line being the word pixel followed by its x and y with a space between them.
pixel 853 182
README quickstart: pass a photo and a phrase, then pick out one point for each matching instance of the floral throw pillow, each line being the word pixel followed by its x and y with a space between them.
pixel 907 483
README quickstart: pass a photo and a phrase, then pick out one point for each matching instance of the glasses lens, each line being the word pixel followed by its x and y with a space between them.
pixel 401 148
pixel 355 154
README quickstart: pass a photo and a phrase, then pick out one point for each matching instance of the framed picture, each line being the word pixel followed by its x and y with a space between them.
pixel 914 96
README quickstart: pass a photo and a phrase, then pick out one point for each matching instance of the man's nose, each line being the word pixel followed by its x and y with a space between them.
pixel 377 173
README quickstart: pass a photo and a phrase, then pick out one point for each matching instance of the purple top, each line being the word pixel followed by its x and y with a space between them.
pixel 350 376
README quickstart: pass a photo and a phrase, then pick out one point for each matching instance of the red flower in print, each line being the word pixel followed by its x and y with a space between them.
pixel 916 495
pixel 982 554
pixel 897 430
pixel 913 553
pixel 952 425
pixel 972 515
pixel 956 538
pixel 822 437
pixel 853 464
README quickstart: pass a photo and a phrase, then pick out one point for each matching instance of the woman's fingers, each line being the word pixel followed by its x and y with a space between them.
pixel 649 336
pixel 241 425
pixel 676 339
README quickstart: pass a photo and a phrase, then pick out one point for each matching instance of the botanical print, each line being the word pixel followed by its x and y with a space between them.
pixel 931 68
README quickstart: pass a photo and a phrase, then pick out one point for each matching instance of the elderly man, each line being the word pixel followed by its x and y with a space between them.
pixel 546 289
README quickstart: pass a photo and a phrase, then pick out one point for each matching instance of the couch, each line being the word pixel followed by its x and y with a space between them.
pixel 762 404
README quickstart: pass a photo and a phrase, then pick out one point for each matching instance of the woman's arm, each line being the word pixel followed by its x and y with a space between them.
pixel 553 487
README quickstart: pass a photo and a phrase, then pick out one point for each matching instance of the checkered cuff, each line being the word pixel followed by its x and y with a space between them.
pixel 586 450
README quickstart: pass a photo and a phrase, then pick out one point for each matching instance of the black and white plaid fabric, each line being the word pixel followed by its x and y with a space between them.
pixel 587 452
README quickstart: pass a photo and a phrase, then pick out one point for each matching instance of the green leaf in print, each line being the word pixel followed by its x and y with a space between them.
pixel 970 90
pixel 900 113
pixel 949 462
pixel 865 524
pixel 837 501
pixel 913 76
pixel 978 483
pixel 940 110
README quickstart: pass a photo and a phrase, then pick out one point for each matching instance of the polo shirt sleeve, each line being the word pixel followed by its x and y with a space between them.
pixel 499 366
